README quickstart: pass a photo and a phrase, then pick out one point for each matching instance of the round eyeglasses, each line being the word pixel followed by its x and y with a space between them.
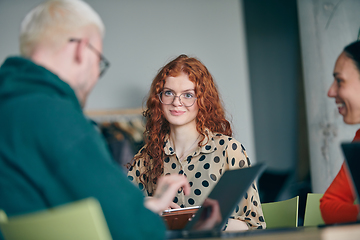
pixel 186 99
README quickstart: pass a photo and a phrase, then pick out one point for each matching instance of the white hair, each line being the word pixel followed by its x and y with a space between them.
pixel 52 20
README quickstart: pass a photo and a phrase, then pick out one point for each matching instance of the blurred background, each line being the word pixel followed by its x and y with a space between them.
pixel 271 59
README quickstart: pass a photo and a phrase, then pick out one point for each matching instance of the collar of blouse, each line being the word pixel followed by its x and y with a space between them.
pixel 208 145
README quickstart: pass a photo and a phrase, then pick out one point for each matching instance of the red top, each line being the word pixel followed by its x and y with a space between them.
pixel 337 204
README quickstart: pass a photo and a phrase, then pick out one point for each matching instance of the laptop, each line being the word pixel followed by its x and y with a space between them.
pixel 352 159
pixel 228 191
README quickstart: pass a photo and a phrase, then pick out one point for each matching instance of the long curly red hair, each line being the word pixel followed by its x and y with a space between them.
pixel 211 114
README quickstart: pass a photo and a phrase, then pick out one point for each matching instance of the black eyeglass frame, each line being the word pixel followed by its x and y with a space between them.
pixel 104 61
pixel 159 95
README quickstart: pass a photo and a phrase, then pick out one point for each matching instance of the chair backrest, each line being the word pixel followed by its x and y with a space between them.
pixel 312 210
pixel 83 219
pixel 281 214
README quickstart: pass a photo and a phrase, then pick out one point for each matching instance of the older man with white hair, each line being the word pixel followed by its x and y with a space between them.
pixel 50 154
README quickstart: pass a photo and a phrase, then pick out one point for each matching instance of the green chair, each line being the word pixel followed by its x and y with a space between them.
pixel 312 210
pixel 83 219
pixel 281 214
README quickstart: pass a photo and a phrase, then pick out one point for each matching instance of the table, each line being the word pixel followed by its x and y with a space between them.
pixel 335 232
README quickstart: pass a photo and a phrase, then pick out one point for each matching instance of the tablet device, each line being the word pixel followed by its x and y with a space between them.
pixel 228 192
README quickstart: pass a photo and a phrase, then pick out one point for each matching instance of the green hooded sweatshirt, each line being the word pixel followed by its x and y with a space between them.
pixel 50 154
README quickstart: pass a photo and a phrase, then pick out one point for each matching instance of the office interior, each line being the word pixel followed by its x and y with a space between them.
pixel 272 61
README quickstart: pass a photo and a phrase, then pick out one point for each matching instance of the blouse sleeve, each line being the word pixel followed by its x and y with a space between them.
pixel 249 209
pixel 134 174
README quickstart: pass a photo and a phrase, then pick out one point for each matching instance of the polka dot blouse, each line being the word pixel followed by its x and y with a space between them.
pixel 203 168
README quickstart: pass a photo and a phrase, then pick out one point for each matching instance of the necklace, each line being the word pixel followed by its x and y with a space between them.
pixel 188 150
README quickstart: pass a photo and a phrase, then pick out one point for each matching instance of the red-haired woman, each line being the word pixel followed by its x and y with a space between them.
pixel 187 133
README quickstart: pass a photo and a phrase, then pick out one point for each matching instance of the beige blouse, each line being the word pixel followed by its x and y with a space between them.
pixel 203 168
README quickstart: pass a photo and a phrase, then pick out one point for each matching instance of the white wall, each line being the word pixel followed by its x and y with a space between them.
pixel 326 26
pixel 142 35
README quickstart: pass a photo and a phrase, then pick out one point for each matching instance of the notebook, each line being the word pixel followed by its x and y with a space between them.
pixel 228 191
pixel 352 159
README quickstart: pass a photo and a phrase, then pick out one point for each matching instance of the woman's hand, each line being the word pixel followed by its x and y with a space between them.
pixel 172 204
pixel 236 225
pixel 166 191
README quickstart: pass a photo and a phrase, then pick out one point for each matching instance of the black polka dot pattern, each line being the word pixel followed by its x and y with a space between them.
pixel 234 146
pixel 206 166
pixel 191 167
pixel 242 146
pixel 241 163
pixel 205 183
pixel 248 161
pixel 213 177
pixel 203 168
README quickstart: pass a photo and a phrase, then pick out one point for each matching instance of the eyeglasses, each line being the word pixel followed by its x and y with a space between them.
pixel 186 99
pixel 104 63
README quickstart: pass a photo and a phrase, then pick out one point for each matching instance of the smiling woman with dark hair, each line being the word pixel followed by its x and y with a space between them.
pixel 337 204
pixel 187 134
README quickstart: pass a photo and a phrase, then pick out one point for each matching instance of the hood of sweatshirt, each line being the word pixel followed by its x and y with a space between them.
pixel 20 76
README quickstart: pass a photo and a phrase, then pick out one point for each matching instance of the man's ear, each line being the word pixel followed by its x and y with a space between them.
pixel 80 50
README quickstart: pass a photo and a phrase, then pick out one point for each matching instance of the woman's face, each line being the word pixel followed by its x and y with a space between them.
pixel 176 113
pixel 346 89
